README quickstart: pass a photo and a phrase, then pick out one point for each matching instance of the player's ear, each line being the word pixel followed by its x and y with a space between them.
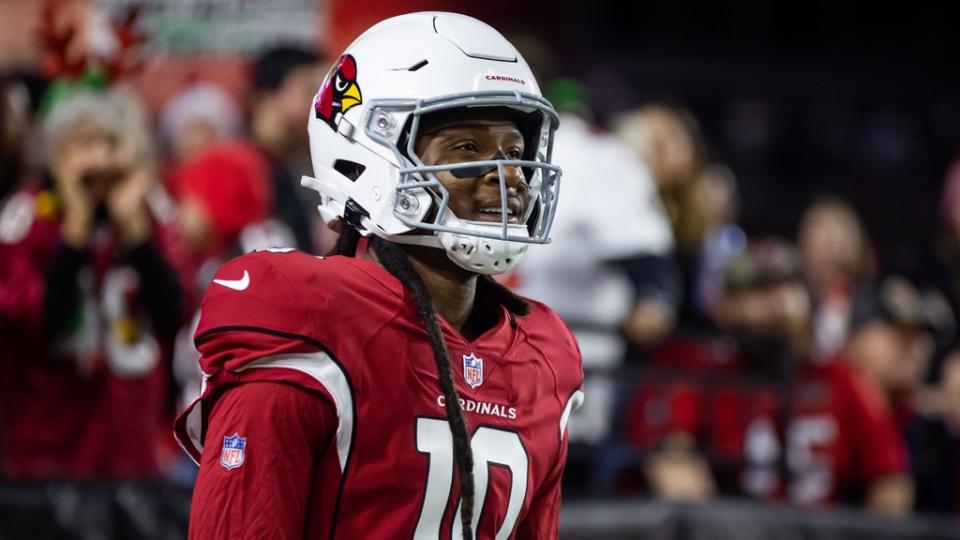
pixel 336 225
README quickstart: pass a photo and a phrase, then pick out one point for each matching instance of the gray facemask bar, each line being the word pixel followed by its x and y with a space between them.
pixel 422 176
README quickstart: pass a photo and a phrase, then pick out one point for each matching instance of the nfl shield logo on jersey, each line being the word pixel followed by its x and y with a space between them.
pixel 472 370
pixel 231 456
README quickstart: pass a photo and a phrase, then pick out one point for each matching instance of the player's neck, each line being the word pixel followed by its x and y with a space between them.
pixel 452 289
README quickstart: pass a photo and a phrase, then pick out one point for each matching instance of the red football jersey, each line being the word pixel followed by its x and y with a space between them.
pixel 322 415
pixel 842 435
pixel 741 436
pixel 63 412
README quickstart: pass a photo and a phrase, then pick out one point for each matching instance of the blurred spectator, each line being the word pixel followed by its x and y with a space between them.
pixel 220 183
pixel 944 265
pixel 837 432
pixel 605 270
pixel 723 239
pixel 934 439
pixel 700 201
pixel 196 117
pixel 668 140
pixel 722 399
pixel 222 190
pixel 838 259
pixel 284 81
pixel 14 119
pixel 14 217
pixel 844 442
pixel 766 308
pixel 88 302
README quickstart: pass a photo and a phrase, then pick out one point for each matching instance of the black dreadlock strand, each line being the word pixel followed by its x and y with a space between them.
pixel 393 258
pixel 347 242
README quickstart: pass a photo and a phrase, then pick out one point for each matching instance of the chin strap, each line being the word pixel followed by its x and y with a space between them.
pixel 426 240
pixel 354 214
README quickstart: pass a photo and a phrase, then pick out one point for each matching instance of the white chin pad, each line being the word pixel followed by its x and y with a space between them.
pixel 484 255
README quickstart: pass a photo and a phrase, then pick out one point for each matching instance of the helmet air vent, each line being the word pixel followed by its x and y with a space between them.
pixel 350 169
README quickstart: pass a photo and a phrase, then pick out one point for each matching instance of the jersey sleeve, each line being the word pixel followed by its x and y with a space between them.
pixel 279 293
pixel 256 324
pixel 255 479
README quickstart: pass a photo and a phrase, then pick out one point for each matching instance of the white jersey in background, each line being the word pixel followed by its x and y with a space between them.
pixel 608 210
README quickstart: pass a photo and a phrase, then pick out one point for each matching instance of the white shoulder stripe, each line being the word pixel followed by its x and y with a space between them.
pixel 192 444
pixel 193 422
pixel 573 403
pixel 321 367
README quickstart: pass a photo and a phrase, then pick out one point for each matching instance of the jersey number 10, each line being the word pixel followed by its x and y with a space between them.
pixel 491 447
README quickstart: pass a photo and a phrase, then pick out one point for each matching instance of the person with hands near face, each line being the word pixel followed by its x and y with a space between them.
pixel 90 291
pixel 94 171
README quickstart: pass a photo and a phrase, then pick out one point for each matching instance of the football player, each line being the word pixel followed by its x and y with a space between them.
pixel 394 389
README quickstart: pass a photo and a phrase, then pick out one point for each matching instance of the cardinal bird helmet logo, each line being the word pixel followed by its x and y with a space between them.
pixel 339 91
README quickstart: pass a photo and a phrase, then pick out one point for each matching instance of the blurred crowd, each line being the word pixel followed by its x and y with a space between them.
pixel 112 222
pixel 777 369
pixel 719 362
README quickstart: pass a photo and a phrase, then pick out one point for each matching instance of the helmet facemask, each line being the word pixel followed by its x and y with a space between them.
pixel 479 246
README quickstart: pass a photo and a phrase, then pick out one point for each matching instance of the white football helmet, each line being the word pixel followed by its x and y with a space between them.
pixel 364 122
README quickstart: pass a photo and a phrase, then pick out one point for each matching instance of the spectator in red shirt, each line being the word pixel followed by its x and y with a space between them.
pixel 720 399
pixel 88 302
pixel 844 442
pixel 765 306
pixel 222 190
pixel 196 117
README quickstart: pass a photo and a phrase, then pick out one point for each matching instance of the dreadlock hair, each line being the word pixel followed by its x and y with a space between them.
pixel 395 261
pixel 347 241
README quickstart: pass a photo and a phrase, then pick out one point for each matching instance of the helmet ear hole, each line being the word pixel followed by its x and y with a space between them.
pixel 350 169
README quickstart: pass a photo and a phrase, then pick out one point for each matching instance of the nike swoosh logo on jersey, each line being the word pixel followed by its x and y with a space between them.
pixel 235 284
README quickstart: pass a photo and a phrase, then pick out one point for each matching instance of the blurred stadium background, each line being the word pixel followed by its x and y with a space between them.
pixel 802 156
